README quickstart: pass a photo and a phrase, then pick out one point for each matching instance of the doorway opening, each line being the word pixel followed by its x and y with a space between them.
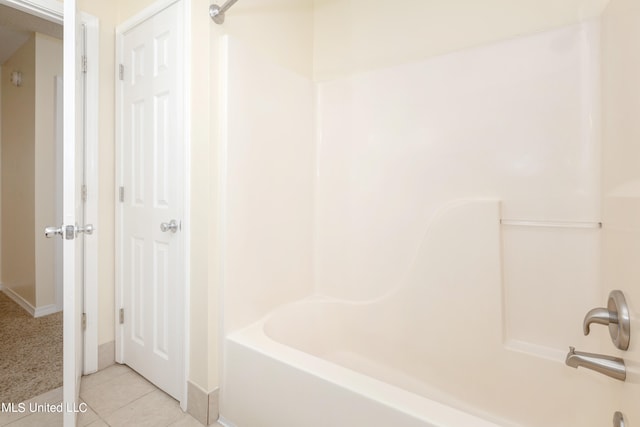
pixel 45 168
pixel 30 135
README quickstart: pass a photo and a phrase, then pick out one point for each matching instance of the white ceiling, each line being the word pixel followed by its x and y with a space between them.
pixel 17 26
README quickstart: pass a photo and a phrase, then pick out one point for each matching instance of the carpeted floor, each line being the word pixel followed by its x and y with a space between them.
pixel 30 352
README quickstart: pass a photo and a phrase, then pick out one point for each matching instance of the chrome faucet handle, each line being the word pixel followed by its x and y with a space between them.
pixel 618 420
pixel 601 316
pixel 616 316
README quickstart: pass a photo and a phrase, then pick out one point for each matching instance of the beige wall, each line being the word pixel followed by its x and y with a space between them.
pixel 18 145
pixel 28 170
pixel 125 9
pixel 203 316
pixel 48 66
pixel 358 35
pixel 281 30
pixel 621 179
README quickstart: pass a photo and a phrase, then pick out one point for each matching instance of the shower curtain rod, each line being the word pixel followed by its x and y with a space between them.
pixel 217 13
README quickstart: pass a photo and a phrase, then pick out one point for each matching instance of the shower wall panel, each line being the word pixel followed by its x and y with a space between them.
pixel 516 121
pixel 268 173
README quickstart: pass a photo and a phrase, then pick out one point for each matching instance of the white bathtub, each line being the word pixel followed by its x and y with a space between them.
pixel 320 362
pixel 431 352
pixel 270 384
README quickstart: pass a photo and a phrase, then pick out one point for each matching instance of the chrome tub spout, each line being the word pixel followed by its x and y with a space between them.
pixel 608 365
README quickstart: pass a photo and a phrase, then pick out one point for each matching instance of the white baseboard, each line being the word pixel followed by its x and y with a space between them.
pixel 26 305
pixel 46 310
pixel 19 300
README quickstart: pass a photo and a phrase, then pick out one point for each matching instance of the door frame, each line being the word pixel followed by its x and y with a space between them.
pixel 185 89
pixel 53 11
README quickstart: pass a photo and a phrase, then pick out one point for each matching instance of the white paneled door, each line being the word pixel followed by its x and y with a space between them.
pixel 151 187
pixel 72 211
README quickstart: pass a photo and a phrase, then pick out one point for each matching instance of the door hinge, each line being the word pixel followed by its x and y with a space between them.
pixel 121 72
pixel 84 193
pixel 122 316
pixel 84 64
pixel 84 321
pixel 121 194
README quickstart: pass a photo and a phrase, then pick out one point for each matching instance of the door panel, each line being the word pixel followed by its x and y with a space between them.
pixel 151 167
pixel 72 211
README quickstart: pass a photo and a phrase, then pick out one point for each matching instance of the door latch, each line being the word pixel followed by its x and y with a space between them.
pixel 87 229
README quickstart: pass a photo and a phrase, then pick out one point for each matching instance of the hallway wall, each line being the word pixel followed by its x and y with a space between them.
pixel 48 66
pixel 29 172
pixel 18 174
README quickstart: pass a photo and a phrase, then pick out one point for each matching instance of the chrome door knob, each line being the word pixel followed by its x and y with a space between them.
pixel 67 232
pixel 87 229
pixel 50 232
pixel 171 226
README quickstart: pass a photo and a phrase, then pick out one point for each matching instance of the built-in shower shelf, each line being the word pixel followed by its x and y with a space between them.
pixel 550 224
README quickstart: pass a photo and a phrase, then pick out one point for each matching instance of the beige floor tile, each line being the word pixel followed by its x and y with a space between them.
pixel 155 409
pixel 53 396
pixel 39 419
pixel 88 417
pixel 11 414
pixel 187 421
pixel 109 396
pixel 8 417
pixel 116 396
pixel 103 376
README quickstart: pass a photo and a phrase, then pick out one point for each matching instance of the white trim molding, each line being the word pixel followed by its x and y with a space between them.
pixel 51 10
pixel 92 125
pixel 45 310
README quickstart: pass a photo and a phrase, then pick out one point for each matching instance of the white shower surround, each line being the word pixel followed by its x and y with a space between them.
pixel 328 191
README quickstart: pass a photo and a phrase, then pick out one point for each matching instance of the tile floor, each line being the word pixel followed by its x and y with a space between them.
pixel 115 396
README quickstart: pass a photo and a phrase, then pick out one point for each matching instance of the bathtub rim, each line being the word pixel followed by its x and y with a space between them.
pixel 423 408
